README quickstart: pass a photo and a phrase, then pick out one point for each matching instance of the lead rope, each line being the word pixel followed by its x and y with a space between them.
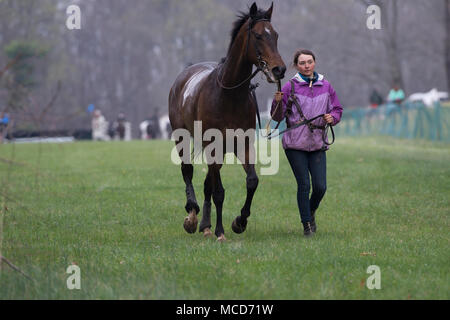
pixel 270 119
pixel 220 83
pixel 299 123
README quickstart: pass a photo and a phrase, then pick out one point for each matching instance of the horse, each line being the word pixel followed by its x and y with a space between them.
pixel 218 95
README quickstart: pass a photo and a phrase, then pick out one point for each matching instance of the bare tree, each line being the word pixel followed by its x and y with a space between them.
pixel 390 21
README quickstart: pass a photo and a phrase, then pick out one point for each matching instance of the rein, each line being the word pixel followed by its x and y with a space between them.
pixel 308 122
pixel 305 121
pixel 240 84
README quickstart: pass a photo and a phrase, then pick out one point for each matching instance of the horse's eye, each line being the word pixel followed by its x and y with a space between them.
pixel 258 36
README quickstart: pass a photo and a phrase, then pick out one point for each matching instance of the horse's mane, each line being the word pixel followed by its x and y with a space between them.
pixel 242 18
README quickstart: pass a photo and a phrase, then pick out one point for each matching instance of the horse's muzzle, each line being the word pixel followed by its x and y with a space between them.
pixel 278 72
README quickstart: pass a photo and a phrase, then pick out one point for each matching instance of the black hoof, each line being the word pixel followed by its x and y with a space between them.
pixel 237 226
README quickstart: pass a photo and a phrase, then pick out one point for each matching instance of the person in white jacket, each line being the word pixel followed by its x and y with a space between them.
pixel 99 127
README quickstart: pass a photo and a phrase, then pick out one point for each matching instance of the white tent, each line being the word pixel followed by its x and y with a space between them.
pixel 430 97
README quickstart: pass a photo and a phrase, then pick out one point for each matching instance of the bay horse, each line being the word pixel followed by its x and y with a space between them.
pixel 218 95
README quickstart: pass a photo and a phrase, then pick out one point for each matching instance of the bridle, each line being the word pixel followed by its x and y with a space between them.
pixel 261 65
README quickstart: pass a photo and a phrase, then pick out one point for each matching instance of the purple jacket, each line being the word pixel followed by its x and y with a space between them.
pixel 320 98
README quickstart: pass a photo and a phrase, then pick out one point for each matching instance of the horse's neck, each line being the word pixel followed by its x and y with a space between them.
pixel 236 69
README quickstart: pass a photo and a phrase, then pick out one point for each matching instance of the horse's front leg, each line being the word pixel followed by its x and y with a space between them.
pixel 218 195
pixel 205 224
pixel 240 222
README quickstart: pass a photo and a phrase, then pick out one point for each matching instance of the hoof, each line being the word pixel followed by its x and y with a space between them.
pixel 190 222
pixel 237 226
pixel 221 238
pixel 207 233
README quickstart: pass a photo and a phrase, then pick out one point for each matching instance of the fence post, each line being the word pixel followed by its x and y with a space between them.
pixel 437 117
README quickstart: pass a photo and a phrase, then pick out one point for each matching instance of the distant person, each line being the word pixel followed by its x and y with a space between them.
pixel 99 126
pixel 169 130
pixel 305 146
pixel 143 130
pixel 4 122
pixel 153 129
pixel 120 125
pixel 396 95
pixel 111 130
pixel 150 129
pixel 375 99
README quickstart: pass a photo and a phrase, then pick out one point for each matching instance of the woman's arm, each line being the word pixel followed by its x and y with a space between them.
pixel 278 112
pixel 336 108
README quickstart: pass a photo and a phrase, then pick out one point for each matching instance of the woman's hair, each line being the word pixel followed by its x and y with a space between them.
pixel 300 52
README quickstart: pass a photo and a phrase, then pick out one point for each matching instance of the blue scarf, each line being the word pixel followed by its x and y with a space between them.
pixel 314 78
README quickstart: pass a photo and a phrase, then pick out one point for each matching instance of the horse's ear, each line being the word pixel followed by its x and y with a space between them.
pixel 268 13
pixel 253 10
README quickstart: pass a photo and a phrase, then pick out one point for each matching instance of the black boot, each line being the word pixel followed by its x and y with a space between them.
pixel 313 221
pixel 307 232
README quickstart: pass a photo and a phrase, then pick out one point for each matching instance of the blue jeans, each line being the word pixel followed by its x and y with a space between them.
pixel 303 164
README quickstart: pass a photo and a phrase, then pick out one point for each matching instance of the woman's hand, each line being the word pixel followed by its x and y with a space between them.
pixel 328 118
pixel 278 96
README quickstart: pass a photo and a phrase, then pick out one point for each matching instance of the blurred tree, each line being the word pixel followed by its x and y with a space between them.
pixel 126 56
pixel 392 40
pixel 23 52
pixel 29 38
pixel 21 79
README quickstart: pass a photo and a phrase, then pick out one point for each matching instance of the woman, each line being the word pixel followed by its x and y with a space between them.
pixel 305 145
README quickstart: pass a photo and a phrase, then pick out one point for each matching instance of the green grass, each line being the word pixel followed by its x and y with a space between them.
pixel 116 210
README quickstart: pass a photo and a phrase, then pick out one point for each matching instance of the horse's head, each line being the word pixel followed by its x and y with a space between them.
pixel 262 40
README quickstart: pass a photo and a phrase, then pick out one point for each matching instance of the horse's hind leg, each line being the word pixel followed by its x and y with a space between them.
pixel 205 224
pixel 192 208
pixel 187 169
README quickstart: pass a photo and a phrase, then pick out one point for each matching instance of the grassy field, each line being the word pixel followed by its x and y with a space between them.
pixel 116 210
